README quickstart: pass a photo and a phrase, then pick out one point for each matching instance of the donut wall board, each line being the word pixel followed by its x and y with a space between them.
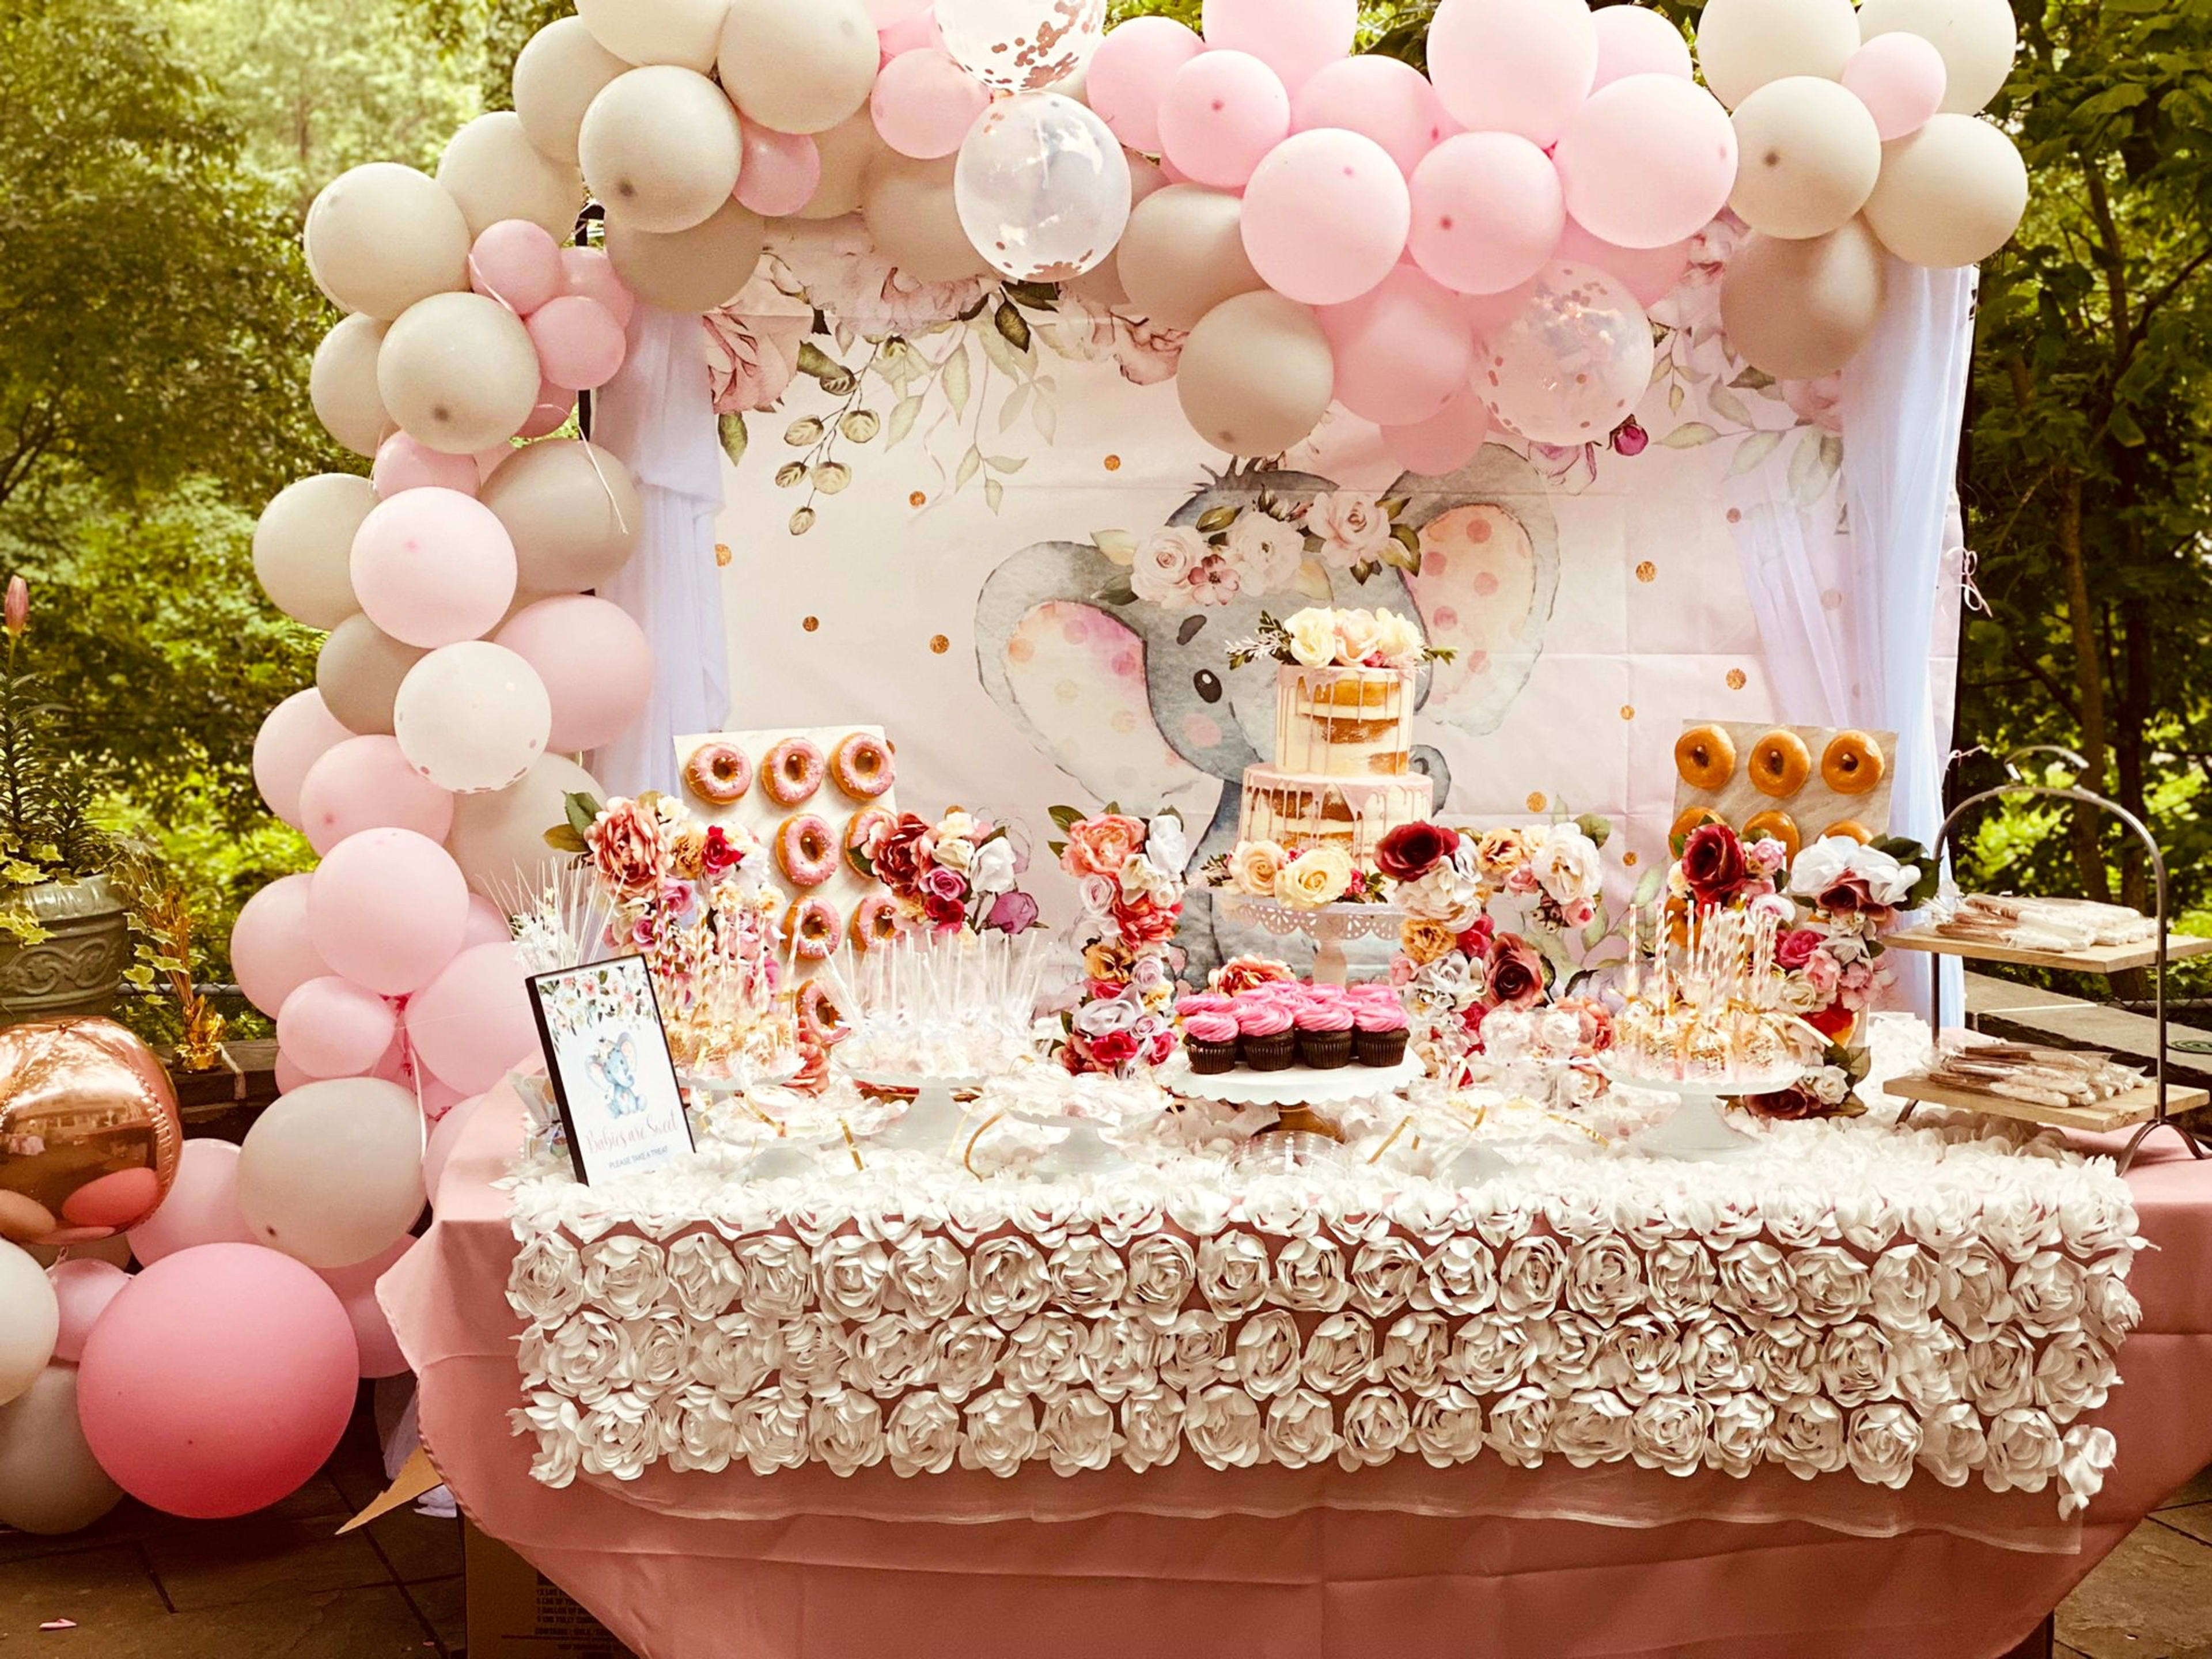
pixel 1754 775
pixel 778 802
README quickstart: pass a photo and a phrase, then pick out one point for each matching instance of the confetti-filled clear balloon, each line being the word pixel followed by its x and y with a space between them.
pixel 1021 46
pixel 1570 365
pixel 1043 187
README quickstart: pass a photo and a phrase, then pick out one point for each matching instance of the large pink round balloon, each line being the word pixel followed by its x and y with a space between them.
pixel 366 783
pixel 1130 73
pixel 293 736
pixel 1901 78
pixel 271 954
pixel 595 662
pixel 472 1025
pixel 550 412
pixel 1637 40
pixel 579 345
pixel 1325 216
pixel 1648 160
pixel 218 1381
pixel 910 34
pixel 779 175
pixel 517 262
pixel 355 1289
pixel 588 271
pixel 923 104
pixel 331 1027
pixel 202 1207
pixel 434 567
pixel 405 463
pixel 1486 212
pixel 387 908
pixel 486 923
pixel 1518 66
pixel 1294 38
pixel 445 1135
pixel 1648 273
pixel 1403 351
pixel 1381 98
pixel 83 1285
pixel 1222 112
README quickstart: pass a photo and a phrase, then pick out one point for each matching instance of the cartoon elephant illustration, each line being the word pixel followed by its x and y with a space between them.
pixel 1136 699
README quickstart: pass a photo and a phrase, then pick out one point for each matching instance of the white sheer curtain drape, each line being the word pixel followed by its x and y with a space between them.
pixel 659 417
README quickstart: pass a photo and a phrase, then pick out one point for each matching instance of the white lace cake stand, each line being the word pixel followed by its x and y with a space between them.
pixel 1329 927
pixel 1696 1131
pixel 1294 1085
pixel 933 1121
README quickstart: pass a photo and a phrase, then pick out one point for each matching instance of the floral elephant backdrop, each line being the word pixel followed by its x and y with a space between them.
pixel 972 511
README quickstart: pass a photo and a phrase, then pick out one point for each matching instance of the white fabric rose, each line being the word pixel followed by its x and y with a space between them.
pixel 778 1277
pixel 2110 1307
pixel 1002 1432
pixel 1637 1358
pixel 846 1430
pixel 1310 1276
pixel 1604 1279
pixel 815 1348
pixel 1591 1427
pixel 1117 1355
pixel 1414 1353
pixel 1563 1351
pixel 1976 1297
pixel 1338 1354
pixel 2047 1294
pixel 702 1274
pixel 1500 1214
pixel 546 1283
pixel 1869 1218
pixel 659 1353
pixel 928 1276
pixel 1376 1423
pixel 963 1356
pixel 1151 1428
pixel 707 1436
pixel 1797 1217
pixel 1952 1445
pixel 735 1354
pixel 1944 1217
pixel 1044 1354
pixel 1458 1276
pixel 1491 1352
pixel 1520 1426
pixel 1713 1361
pixel 1883 1442
pixel 1833 1285
pixel 2024 1450
pixel 1166 844
pixel 1301 1429
pixel 850 1271
pixel 1808 1437
pixel 1078 1432
pixel 991 870
pixel 2018 1228
pixel 1193 1351
pixel 1856 1364
pixel 1268 1354
pixel 618 1437
pixel 772 1432
pixel 623 1275
pixel 923 1435
pixel 1737 1435
pixel 1447 1427
pixel 1232 1274
pixel 2000 1371
pixel 584 1356
pixel 2096 1218
pixel 1567 866
pixel 1088 1275
pixel 1680 1274
pixel 1222 1426
pixel 2087 1454
pixel 1785 1360
pixel 1531 1276
pixel 1006 1280
pixel 1383 1275
pixel 557 1424
pixel 1668 1431
pixel 887 1355
pixel 1930 1369
pixel 1163 1268
pixel 1756 1282
pixel 1905 1286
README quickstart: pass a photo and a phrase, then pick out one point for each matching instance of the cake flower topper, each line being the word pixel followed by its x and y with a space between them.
pixel 1318 638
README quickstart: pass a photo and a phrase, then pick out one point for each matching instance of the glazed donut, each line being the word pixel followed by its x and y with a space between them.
pixel 875 921
pixel 811 928
pixel 1780 763
pixel 818 1011
pixel 862 765
pixel 790 771
pixel 1693 817
pixel 718 773
pixel 1779 825
pixel 862 823
pixel 1852 764
pixel 806 849
pixel 1849 830
pixel 1705 757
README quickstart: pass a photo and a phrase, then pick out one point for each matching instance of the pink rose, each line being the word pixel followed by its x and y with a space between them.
pixel 1101 845
pixel 1516 973
pixel 1824 974
pixel 1796 948
pixel 627 854
pixel 752 347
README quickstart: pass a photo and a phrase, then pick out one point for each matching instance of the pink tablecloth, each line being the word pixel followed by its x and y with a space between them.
pixel 1315 1584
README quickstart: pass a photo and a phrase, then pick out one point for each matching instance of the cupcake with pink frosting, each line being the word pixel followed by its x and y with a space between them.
pixel 1380 1029
pixel 1202 1002
pixel 1325 1027
pixel 1209 1036
pixel 1266 1032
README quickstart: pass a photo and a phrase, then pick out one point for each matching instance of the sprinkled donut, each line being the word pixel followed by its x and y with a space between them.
pixel 718 773
pixel 857 831
pixel 862 765
pixel 790 771
pixel 818 1012
pixel 875 921
pixel 806 849
pixel 810 927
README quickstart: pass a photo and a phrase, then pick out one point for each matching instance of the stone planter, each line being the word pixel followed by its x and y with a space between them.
pixel 76 970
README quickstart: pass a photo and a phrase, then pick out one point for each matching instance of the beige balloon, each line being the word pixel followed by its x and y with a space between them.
pixel 1102 283
pixel 1256 374
pixel 847 151
pixel 499 838
pixel 50 1483
pixel 1800 307
pixel 458 372
pixel 1977 39
pixel 1183 254
pixel 332 1173
pixel 358 672
pixel 661 148
pixel 382 236
pixel 495 172
pixel 908 210
pixel 341 385
pixel 686 32
pixel 693 270
pixel 303 544
pixel 558 72
pixel 1950 194
pixel 1808 156
pixel 1744 44
pixel 572 511
pixel 799 68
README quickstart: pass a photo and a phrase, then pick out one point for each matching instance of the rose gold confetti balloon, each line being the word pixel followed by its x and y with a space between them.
pixel 89 1131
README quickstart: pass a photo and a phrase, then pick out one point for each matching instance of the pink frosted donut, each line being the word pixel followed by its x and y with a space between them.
pixel 858 830
pixel 875 921
pixel 806 849
pixel 818 1012
pixel 810 927
pixel 862 765
pixel 790 771
pixel 718 773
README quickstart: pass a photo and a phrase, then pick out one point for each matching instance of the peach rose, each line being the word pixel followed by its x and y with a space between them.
pixel 1253 865
pixel 1101 845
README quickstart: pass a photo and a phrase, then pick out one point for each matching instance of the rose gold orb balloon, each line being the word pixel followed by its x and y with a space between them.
pixel 89 1131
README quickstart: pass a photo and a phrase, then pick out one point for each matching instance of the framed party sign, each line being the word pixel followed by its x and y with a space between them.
pixel 613 1079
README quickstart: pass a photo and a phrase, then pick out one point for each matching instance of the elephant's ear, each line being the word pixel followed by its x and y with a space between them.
pixel 1489 575
pixel 1053 652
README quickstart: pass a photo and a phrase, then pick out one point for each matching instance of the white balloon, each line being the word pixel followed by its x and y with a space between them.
pixel 341 385
pixel 1021 46
pixel 907 206
pixel 30 1321
pixel 50 1482
pixel 381 237
pixel 1977 39
pixel 1801 309
pixel 1950 194
pixel 458 372
pixel 558 72
pixel 472 717
pixel 682 32
pixel 1808 156
pixel 495 172
pixel 1744 44
pixel 358 672
pixel 332 1173
pixel 1043 187
pixel 498 838
pixel 1570 364
pixel 572 512
pixel 798 68
pixel 303 544
pixel 693 270
pixel 661 148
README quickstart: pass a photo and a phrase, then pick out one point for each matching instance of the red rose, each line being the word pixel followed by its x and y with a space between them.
pixel 897 856
pixel 1796 948
pixel 1144 922
pixel 1516 972
pixel 1713 863
pixel 943 912
pixel 1115 1048
pixel 1474 942
pixel 719 854
pixel 1411 850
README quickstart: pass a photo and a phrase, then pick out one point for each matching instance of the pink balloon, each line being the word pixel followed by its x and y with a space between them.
pixel 355 1289
pixel 1518 66
pixel 1648 273
pixel 295 735
pixel 1390 102
pixel 471 1025
pixel 434 1097
pixel 202 1207
pixel 909 34
pixel 1325 216
pixel 1637 40
pixel 516 263
pixel 1222 112
pixel 1901 78
pixel 434 567
pixel 1130 73
pixel 331 1027
pixel 595 662
pixel 288 1076
pixel 402 463
pixel 489 461
pixel 550 412
pixel 1485 311
pixel 1296 38
pixel 84 1287
pixel 218 1381
pixel 579 345
pixel 588 271
pixel 445 1135
pixel 363 783
pixel 386 910
pixel 271 954
pixel 1488 212
pixel 923 104
pixel 1648 160
pixel 486 923
pixel 1402 352
pixel 781 173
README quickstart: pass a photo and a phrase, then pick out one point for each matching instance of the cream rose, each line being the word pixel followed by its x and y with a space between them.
pixel 1006 1280
pixel 928 1276
pixel 1078 1432
pixel 546 1283
pixel 1808 1437
pixel 584 1356
pixel 1310 1276
pixel 659 1353
pixel 778 1277
pixel 1232 1274
pixel 963 1355
pixel 1222 1426
pixel 1448 1428
pixel 815 1348
pixel 1756 1282
pixel 1256 865
pixel 1193 1351
pixel 2087 1454
pixel 1931 1368
pixel 1604 1279
pixel 1489 1352
pixel 1567 867
pixel 702 1274
pixel 623 1275
pixel 1785 1359
pixel 1151 1428
pixel 1713 1360
pixel 1043 1354
pixel 1356 635
pixel 1883 1442
pixel 1904 1288
pixel 1591 1427
pixel 1376 1423
pixel 1351 525
pixel 849 1275
pixel 1637 1358
pixel 1301 1429
pixel 2110 1307
pixel 1857 1364
pixel 1668 1431
pixel 1383 1273
pixel 1317 877
pixel 1162 1270
pixel 706 1436
pixel 772 1430
pixel 618 1437
pixel 887 1354
pixel 1313 637
pixel 1118 1356
pixel 1832 1284
pixel 1338 1354
pixel 1952 1445
pixel 846 1430
pixel 1530 1277
pixel 1160 574
pixel 1087 1274
pixel 1680 1276
pixel 1520 1427
pixel 1414 1353
pixel 2047 1294
pixel 1736 1441
pixel 2024 1451
pixel 1564 1347
pixel 1398 640
pixel 923 1435
pixel 1002 1432
pixel 1268 1353
pixel 2000 1371
pixel 1976 1297
pixel 556 1423
pixel 735 1354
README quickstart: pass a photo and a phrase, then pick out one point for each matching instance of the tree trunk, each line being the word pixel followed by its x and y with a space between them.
pixel 2089 688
